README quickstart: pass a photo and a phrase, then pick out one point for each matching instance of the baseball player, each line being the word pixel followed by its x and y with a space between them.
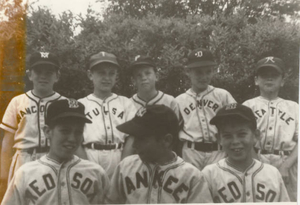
pixel 23 120
pixel 155 174
pixel 277 120
pixel 103 143
pixel 239 177
pixel 198 106
pixel 60 177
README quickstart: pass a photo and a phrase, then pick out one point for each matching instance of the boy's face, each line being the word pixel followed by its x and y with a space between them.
pixel 65 137
pixel 103 76
pixel 144 78
pixel 149 148
pixel 200 77
pixel 237 139
pixel 269 80
pixel 43 77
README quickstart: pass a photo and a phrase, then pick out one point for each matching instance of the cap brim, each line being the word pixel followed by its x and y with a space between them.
pixel 201 64
pixel 216 120
pixel 104 61
pixel 72 115
pixel 135 65
pixel 43 63
pixel 269 66
pixel 133 129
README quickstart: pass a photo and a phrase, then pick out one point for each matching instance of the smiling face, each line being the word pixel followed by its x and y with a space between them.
pixel 65 137
pixel 200 77
pixel 237 138
pixel 144 78
pixel 269 80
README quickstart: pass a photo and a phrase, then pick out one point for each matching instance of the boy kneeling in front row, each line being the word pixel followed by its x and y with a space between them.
pixel 156 174
pixel 239 177
pixel 60 177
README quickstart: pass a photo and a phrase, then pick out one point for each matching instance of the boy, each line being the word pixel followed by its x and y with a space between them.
pixel 197 106
pixel 144 75
pixel 277 120
pixel 23 120
pixel 103 143
pixel 155 174
pixel 60 177
pixel 239 177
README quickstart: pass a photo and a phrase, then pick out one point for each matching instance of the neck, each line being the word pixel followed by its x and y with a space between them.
pixel 42 93
pixel 241 166
pixel 197 90
pixel 269 95
pixel 148 95
pixel 56 158
pixel 102 95
pixel 167 158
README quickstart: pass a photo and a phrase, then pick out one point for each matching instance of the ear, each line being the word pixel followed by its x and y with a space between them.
pixel 28 73
pixel 47 131
pixel 57 76
pixel 256 80
pixel 186 71
pixel 283 81
pixel 218 137
pixel 257 135
pixel 168 140
pixel 90 74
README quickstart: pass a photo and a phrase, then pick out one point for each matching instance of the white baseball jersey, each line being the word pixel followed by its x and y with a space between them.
pixel 258 183
pixel 198 110
pixel 24 117
pixel 46 182
pixel 160 99
pixel 277 121
pixel 137 182
pixel 105 116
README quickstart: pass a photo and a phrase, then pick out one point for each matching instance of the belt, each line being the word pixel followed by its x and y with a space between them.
pixel 276 152
pixel 37 150
pixel 203 147
pixel 104 147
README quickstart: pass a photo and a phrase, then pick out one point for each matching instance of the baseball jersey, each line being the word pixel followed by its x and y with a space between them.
pixel 25 118
pixel 46 181
pixel 138 182
pixel 258 183
pixel 160 99
pixel 105 116
pixel 197 111
pixel 277 121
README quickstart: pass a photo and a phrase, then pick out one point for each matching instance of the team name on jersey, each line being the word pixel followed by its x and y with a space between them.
pixel 95 112
pixel 30 110
pixel 282 115
pixel 84 184
pixel 231 193
pixel 201 103
pixel 172 185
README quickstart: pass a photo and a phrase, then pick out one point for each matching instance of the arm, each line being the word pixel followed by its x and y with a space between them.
pixel 13 195
pixel 128 147
pixel 200 192
pixel 288 163
pixel 6 156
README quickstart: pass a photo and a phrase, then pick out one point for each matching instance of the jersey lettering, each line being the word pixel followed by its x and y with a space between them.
pixel 83 186
pixel 49 184
pixel 49 181
pixel 129 185
pixel 36 188
pixel 182 187
pixel 29 111
pixel 282 115
pixel 201 103
pixel 169 181
pixel 233 190
pixel 265 195
pixel 30 196
pixel 95 112
pixel 140 179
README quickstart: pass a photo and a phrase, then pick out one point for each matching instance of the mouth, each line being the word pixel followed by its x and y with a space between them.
pixel 237 150
pixel 69 147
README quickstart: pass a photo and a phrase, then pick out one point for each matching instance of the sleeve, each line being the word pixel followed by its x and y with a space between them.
pixel 199 192
pixel 283 194
pixel 130 109
pixel 174 106
pixel 14 194
pixel 229 98
pixel 296 109
pixel 104 184
pixel 116 193
pixel 9 122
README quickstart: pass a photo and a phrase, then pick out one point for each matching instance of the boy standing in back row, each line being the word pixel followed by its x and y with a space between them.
pixel 278 120
pixel 103 143
pixel 198 106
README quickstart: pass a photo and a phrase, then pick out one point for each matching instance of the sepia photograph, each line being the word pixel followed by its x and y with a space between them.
pixel 149 101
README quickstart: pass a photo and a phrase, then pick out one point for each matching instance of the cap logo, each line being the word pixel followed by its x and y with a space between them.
pixel 231 106
pixel 199 54
pixel 73 103
pixel 102 53
pixel 44 54
pixel 141 112
pixel 137 57
pixel 270 59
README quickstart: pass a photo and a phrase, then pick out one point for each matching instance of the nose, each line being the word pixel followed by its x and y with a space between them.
pixel 235 140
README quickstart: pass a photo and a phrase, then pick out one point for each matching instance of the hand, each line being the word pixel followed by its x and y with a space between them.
pixel 284 171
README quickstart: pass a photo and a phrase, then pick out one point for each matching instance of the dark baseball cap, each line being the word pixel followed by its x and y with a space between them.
pixel 66 108
pixel 231 110
pixel 271 62
pixel 140 60
pixel 103 57
pixel 200 58
pixel 152 120
pixel 43 58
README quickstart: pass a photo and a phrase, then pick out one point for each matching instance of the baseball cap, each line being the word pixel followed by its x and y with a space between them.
pixel 141 60
pixel 43 58
pixel 272 62
pixel 234 109
pixel 152 119
pixel 200 58
pixel 66 108
pixel 103 57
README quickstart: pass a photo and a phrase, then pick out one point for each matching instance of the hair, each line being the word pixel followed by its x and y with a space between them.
pixel 225 121
pixel 59 121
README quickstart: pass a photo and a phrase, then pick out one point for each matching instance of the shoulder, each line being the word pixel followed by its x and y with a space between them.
pixel 90 166
pixel 132 159
pixel 289 102
pixel 182 96
pixel 250 101
pixel 220 91
pixel 84 99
